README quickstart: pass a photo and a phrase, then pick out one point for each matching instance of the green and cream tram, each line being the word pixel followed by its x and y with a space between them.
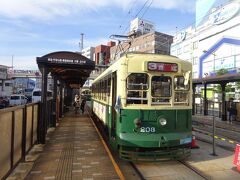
pixel 144 102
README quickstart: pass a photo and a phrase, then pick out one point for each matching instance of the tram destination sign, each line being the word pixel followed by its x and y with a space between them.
pixel 66 61
pixel 162 67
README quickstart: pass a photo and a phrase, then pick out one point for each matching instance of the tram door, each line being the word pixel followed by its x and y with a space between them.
pixel 114 97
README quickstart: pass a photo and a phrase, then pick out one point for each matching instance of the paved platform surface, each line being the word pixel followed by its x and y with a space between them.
pixel 214 167
pixel 73 151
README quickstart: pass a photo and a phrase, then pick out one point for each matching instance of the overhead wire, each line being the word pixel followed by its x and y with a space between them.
pixel 125 17
pixel 139 11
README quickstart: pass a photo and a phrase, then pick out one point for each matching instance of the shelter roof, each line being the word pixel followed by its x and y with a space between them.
pixel 71 67
pixel 226 78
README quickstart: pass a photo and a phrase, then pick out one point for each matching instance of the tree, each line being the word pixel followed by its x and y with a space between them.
pixel 221 72
pixel 228 87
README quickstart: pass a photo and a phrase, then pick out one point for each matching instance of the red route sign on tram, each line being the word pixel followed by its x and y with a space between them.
pixel 162 67
pixel 236 160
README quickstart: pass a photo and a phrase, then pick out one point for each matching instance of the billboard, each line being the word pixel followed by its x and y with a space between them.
pixel 215 12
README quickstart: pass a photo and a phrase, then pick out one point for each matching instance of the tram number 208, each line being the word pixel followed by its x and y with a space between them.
pixel 148 129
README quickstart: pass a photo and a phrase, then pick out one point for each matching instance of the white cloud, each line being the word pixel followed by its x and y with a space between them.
pixel 52 9
pixel 87 42
pixel 181 5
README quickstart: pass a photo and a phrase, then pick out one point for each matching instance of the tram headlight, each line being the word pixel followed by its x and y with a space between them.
pixel 137 123
pixel 162 121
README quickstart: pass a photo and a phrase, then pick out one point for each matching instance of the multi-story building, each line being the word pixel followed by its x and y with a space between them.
pixel 214 42
pixel 89 52
pixel 4 84
pixel 102 53
pixel 152 42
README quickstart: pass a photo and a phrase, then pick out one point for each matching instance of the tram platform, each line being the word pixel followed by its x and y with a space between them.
pixel 72 151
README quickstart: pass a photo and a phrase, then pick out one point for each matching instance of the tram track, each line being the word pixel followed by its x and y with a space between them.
pixel 152 166
pixel 222 131
pixel 180 169
pixel 203 175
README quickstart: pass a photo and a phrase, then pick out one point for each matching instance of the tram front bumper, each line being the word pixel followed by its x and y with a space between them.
pixel 155 140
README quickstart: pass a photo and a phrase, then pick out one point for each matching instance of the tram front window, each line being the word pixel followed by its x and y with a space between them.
pixel 181 87
pixel 161 89
pixel 137 85
pixel 179 83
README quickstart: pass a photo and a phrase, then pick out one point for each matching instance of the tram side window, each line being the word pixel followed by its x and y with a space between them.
pixel 161 89
pixel 108 86
pixel 93 90
pixel 137 86
pixel 101 90
pixel 105 90
pixel 98 91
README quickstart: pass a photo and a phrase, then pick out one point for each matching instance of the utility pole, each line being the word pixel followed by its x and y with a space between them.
pixel 81 48
pixel 213 131
pixel 12 61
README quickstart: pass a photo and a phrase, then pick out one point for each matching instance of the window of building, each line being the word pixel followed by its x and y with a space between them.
pixel 179 51
pixel 8 84
pixel 186 48
pixel 195 60
pixel 195 45
pixel 195 74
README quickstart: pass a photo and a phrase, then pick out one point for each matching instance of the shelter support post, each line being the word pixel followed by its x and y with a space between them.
pixel 224 112
pixel 205 103
pixel 61 99
pixel 43 117
pixel 54 104
pixel 193 99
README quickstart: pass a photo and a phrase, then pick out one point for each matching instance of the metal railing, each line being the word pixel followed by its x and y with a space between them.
pixel 19 132
pixel 216 111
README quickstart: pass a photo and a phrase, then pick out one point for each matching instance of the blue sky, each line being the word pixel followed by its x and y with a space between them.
pixel 31 28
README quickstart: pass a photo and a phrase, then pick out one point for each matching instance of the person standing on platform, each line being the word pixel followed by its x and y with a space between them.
pixel 232 111
pixel 76 103
pixel 83 105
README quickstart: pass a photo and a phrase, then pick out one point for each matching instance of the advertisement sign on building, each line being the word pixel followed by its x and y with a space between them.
pixel 215 12
pixel 142 25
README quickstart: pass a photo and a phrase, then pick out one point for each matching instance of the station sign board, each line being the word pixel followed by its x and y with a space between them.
pixel 66 61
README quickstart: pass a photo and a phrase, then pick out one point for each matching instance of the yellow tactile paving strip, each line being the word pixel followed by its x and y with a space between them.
pixel 74 151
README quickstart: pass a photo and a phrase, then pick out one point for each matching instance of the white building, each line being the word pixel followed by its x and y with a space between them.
pixel 142 26
pixel 6 88
pixel 214 42
pixel 89 52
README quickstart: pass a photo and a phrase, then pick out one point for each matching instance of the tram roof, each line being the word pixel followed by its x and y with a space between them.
pixel 71 67
pixel 135 55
